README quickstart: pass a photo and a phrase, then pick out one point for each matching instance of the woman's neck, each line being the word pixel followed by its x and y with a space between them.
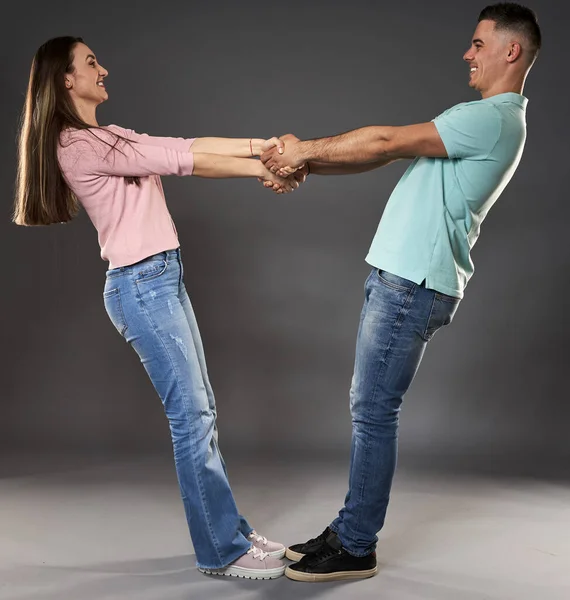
pixel 87 113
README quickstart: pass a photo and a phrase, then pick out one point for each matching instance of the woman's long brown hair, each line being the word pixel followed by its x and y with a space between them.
pixel 42 194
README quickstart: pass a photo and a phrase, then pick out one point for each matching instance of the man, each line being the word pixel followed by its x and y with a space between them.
pixel 463 160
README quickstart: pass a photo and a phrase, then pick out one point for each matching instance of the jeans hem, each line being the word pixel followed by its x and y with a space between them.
pixel 227 564
pixel 355 554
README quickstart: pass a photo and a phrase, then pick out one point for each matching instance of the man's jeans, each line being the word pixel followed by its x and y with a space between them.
pixel 398 319
pixel 149 306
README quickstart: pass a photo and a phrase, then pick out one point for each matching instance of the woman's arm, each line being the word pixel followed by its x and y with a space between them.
pixel 141 160
pixel 174 143
pixel 244 147
pixel 239 147
pixel 219 167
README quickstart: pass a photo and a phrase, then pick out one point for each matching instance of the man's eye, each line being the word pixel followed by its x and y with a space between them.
pixel 92 64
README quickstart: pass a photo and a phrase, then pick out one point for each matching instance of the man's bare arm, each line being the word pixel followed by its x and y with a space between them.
pixel 323 168
pixel 361 146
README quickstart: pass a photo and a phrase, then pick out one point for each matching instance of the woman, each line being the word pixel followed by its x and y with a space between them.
pixel 65 158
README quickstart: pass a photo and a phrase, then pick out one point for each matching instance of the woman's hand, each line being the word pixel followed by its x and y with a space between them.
pixel 280 185
pixel 273 142
pixel 299 176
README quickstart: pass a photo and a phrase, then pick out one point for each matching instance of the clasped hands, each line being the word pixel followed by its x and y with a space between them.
pixel 284 171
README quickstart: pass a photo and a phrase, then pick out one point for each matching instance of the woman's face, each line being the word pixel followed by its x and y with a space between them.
pixel 85 84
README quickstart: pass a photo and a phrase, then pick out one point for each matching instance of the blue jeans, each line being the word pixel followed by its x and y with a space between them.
pixel 149 306
pixel 398 319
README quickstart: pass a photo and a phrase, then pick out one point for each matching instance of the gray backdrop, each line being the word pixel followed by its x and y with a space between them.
pixel 276 281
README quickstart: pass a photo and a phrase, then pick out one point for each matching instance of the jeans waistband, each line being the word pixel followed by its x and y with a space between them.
pixel 167 255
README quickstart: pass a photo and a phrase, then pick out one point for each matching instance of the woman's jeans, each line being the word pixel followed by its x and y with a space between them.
pixel 398 319
pixel 149 306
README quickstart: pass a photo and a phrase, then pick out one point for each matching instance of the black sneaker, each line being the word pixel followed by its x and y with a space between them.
pixel 332 563
pixel 297 551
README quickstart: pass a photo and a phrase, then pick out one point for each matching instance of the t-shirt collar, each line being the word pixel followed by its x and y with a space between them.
pixel 508 97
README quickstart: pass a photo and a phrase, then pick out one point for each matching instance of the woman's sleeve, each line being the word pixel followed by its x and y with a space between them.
pixel 175 143
pixel 130 160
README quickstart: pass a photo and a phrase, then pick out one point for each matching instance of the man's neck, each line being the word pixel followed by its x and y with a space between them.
pixel 504 87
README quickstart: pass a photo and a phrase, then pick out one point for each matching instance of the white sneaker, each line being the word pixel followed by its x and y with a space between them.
pixel 254 564
pixel 274 549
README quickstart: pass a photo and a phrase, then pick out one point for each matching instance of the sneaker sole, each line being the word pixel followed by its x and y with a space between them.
pixel 245 573
pixel 338 576
pixel 292 555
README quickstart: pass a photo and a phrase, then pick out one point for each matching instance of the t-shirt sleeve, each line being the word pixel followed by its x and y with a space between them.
pixel 175 143
pixel 470 131
pixel 125 159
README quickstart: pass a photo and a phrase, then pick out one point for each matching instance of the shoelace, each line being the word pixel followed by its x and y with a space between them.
pixel 258 553
pixel 258 538
pixel 320 538
pixel 325 552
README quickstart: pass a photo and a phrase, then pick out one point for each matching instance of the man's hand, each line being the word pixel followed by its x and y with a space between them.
pixel 278 159
pixel 298 175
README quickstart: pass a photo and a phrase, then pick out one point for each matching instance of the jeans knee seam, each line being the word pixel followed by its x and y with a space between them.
pixel 189 420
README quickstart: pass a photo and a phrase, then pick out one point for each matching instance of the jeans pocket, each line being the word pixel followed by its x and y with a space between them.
pixel 442 311
pixel 114 308
pixel 395 281
pixel 151 269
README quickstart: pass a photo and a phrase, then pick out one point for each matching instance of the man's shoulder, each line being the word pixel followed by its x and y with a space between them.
pixel 471 106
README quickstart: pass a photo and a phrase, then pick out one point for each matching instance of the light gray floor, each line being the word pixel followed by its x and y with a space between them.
pixel 117 531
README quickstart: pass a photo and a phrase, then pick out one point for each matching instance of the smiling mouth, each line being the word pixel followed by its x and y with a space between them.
pixel 473 70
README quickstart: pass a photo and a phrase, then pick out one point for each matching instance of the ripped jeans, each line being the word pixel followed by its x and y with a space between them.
pixel 149 306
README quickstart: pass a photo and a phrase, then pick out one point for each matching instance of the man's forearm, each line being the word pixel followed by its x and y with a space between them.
pixel 360 146
pixel 238 147
pixel 323 168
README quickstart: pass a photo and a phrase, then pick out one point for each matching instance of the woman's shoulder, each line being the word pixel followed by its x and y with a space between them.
pixel 84 146
pixel 73 141
pixel 91 133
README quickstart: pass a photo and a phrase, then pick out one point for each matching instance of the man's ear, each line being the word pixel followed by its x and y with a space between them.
pixel 515 51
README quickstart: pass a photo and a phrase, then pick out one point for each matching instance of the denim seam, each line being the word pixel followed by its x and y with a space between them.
pixel 395 286
pixel 200 351
pixel 215 443
pixel 141 275
pixel 446 298
pixel 425 335
pixel 117 292
pixel 402 313
pixel 114 275
pixel 190 425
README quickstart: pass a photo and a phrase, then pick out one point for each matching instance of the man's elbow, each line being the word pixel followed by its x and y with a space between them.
pixel 387 146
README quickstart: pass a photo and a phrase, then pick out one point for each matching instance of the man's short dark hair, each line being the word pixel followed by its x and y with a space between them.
pixel 509 16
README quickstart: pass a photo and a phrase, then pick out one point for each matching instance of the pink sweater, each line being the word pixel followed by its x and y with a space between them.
pixel 132 222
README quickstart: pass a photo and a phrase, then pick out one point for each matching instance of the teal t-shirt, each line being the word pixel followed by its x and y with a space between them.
pixel 433 217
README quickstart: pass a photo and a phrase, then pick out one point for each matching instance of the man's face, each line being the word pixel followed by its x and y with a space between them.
pixel 487 56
